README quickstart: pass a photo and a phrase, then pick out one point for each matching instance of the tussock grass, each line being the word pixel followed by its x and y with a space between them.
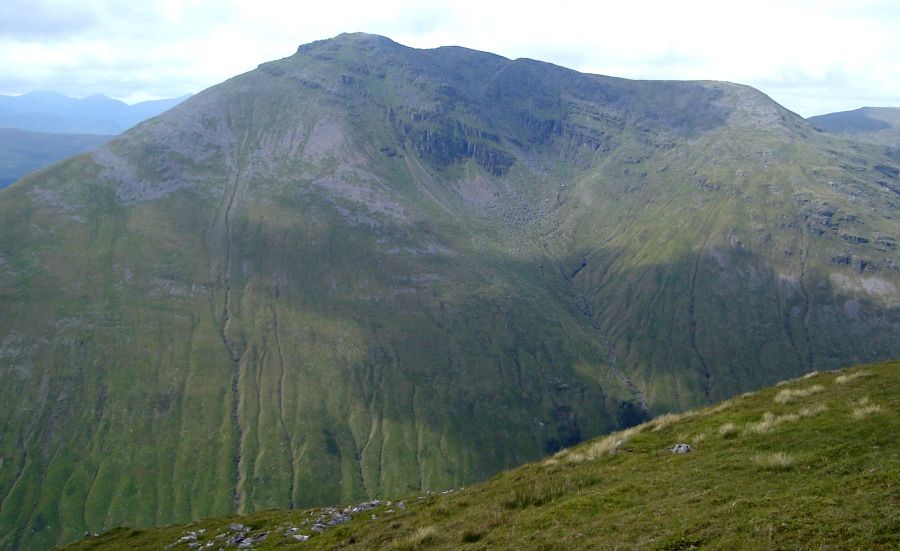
pixel 544 492
pixel 728 430
pixel 863 408
pixel 790 394
pixel 725 404
pixel 598 449
pixel 775 461
pixel 769 420
pixel 666 420
pixel 809 411
pixel 843 379
pixel 423 537
pixel 602 447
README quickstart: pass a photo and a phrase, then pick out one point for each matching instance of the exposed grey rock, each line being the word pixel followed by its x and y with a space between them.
pixel 681 448
pixel 363 507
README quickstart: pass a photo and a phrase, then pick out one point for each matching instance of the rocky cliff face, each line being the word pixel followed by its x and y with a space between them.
pixel 366 270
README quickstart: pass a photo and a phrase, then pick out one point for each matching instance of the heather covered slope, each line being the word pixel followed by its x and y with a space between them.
pixel 370 270
pixel 811 464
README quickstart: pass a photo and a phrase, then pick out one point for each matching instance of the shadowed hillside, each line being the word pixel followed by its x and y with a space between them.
pixel 809 464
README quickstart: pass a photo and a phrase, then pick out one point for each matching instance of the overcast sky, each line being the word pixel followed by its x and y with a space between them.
pixel 811 56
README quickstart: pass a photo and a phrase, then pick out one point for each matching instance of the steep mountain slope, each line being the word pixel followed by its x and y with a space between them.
pixel 22 151
pixel 808 465
pixel 369 270
pixel 48 111
pixel 878 125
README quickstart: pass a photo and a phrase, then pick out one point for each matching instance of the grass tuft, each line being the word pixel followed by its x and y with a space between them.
pixel 666 420
pixel 809 411
pixel 541 493
pixel 768 422
pixel 843 379
pixel 863 408
pixel 728 430
pixel 604 446
pixel 775 461
pixel 423 537
pixel 790 394
pixel 725 404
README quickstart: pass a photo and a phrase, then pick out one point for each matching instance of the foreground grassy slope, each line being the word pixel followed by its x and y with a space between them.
pixel 812 463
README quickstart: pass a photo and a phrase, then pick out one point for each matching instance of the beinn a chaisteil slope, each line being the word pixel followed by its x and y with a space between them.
pixel 369 270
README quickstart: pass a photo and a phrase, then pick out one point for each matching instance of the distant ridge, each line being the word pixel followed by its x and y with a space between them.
pixel 24 151
pixel 47 111
pixel 880 125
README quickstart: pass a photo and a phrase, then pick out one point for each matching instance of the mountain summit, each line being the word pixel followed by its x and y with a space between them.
pixel 369 270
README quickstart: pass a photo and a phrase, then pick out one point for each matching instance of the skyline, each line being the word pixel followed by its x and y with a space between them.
pixel 811 57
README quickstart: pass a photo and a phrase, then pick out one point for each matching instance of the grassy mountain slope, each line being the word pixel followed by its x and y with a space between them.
pixel 370 270
pixel 814 463
pixel 878 125
pixel 22 151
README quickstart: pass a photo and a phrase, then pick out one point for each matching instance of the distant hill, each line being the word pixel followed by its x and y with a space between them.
pixel 878 125
pixel 47 111
pixel 812 464
pixel 41 128
pixel 23 151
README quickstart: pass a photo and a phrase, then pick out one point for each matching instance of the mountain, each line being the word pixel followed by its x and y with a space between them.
pixel 22 151
pixel 369 270
pixel 878 125
pixel 47 111
pixel 811 464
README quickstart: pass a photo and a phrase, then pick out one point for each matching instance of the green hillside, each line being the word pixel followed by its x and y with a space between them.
pixel 811 464
pixel 368 270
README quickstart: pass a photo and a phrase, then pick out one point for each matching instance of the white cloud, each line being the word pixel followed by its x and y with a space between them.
pixel 813 56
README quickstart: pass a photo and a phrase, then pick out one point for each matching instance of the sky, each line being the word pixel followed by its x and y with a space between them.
pixel 813 57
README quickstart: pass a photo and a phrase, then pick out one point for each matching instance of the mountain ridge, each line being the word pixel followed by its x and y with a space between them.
pixel 359 271
pixel 877 125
